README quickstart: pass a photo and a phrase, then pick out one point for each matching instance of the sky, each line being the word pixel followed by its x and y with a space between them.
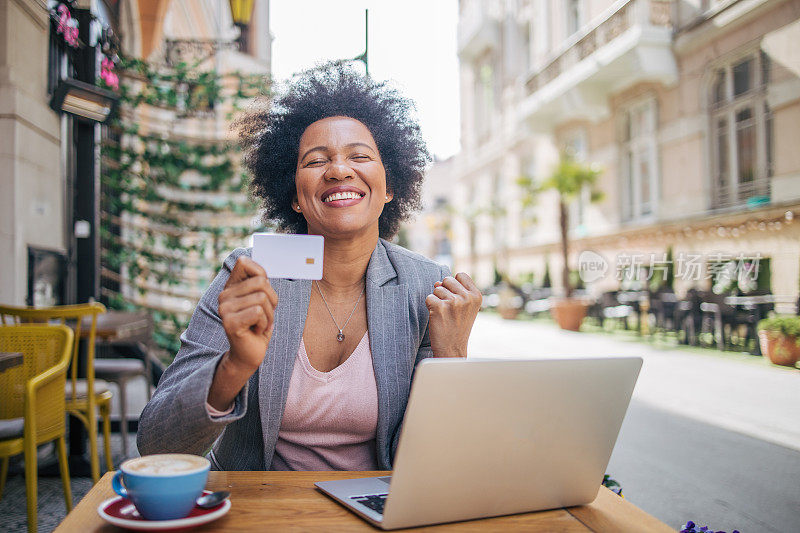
pixel 411 42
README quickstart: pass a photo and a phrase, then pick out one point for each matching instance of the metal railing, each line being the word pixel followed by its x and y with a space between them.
pixel 753 193
pixel 620 17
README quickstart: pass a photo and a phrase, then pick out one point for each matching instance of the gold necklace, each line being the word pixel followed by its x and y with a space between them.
pixel 340 336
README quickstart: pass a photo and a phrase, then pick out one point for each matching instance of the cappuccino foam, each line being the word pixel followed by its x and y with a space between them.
pixel 165 464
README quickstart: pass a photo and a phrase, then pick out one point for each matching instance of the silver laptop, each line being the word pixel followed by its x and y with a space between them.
pixel 485 438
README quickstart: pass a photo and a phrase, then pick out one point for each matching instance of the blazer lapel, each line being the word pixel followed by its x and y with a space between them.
pixel 389 338
pixel 275 372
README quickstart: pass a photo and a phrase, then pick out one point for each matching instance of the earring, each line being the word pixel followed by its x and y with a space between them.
pixel 297 208
pixel 387 197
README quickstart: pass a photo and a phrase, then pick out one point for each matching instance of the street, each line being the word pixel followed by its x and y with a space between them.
pixel 710 438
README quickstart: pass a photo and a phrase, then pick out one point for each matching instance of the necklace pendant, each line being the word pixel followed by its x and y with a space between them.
pixel 340 336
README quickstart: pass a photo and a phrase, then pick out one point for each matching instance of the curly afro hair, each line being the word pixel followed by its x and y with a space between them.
pixel 270 139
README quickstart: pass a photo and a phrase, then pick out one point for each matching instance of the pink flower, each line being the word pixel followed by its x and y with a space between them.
pixel 63 18
pixel 67 26
pixel 107 73
pixel 110 78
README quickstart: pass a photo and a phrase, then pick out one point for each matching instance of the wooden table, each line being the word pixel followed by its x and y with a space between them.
pixel 10 360
pixel 288 501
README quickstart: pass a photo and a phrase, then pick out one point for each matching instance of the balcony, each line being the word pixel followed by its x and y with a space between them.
pixel 750 194
pixel 478 28
pixel 628 44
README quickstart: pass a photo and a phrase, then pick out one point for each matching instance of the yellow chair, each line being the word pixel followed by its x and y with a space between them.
pixel 32 402
pixel 84 396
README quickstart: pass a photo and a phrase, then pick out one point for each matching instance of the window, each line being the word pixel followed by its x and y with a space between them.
pixel 527 42
pixel 574 19
pixel 741 132
pixel 575 146
pixel 497 211
pixel 542 31
pixel 527 214
pixel 472 197
pixel 485 97
pixel 639 160
pixel 59 59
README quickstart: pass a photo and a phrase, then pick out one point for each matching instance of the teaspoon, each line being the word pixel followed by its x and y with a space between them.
pixel 207 501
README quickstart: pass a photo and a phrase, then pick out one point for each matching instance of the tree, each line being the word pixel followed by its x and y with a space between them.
pixel 570 178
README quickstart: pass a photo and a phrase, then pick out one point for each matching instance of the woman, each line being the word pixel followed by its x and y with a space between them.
pixel 292 374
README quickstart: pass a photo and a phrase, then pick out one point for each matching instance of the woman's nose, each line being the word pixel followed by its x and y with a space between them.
pixel 339 170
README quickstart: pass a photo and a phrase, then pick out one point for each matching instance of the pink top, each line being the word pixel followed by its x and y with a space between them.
pixel 330 418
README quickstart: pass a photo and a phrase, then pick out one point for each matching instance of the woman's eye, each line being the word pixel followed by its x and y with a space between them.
pixel 315 162
pixel 361 157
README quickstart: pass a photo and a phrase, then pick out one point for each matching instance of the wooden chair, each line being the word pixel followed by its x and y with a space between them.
pixel 32 402
pixel 84 396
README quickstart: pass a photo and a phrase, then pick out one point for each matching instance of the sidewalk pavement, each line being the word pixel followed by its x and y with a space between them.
pixel 738 392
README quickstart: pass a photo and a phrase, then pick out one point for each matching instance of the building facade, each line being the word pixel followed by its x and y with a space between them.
pixel 690 109
pixel 32 175
pixel 42 234
pixel 171 243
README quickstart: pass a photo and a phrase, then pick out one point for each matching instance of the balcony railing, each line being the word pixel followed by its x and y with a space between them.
pixel 751 194
pixel 618 19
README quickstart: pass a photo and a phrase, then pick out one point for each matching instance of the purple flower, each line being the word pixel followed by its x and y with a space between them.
pixel 690 528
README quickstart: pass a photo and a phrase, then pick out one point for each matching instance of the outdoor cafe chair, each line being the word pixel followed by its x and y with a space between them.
pixel 688 317
pixel 663 304
pixel 718 317
pixel 120 370
pixel 85 396
pixel 748 311
pixel 32 402
pixel 611 308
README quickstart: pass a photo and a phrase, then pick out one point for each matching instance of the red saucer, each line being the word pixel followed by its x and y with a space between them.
pixel 121 512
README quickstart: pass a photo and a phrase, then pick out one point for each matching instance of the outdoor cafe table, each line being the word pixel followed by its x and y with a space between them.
pixel 288 501
pixel 750 303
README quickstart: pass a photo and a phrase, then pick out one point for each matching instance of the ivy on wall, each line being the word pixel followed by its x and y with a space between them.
pixel 172 205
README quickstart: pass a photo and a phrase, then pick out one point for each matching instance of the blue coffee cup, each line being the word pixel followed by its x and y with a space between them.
pixel 163 486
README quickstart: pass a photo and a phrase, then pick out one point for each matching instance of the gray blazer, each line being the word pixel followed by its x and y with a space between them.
pixel 176 421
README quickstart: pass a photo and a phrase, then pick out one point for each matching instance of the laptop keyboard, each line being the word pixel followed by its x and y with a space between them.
pixel 375 502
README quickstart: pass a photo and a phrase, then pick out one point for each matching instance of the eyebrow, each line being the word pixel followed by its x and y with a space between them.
pixel 324 148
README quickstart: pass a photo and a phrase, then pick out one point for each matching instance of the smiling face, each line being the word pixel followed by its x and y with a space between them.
pixel 340 179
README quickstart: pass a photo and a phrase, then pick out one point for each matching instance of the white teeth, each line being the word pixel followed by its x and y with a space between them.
pixel 342 196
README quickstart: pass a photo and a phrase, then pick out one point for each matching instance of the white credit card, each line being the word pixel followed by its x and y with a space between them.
pixel 289 256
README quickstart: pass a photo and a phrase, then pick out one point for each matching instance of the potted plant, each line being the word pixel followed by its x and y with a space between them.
pixel 510 302
pixel 569 179
pixel 547 283
pixel 780 339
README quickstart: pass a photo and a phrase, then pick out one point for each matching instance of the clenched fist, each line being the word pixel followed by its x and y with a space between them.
pixel 453 306
pixel 247 309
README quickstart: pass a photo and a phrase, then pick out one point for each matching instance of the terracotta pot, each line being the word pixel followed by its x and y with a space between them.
pixel 510 302
pixel 568 313
pixel 509 313
pixel 779 349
